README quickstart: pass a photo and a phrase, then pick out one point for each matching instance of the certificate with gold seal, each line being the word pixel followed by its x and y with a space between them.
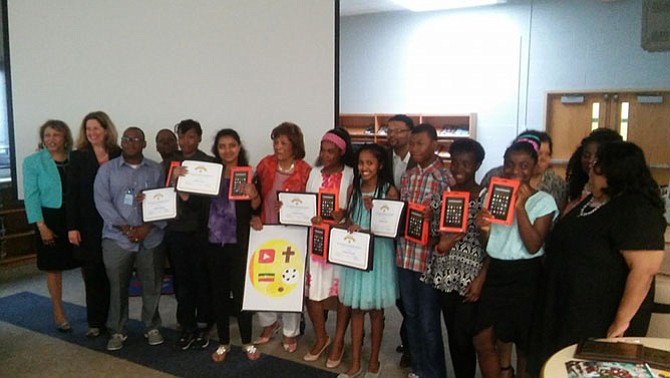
pixel 202 178
pixel 350 249
pixel 386 217
pixel 297 209
pixel 159 204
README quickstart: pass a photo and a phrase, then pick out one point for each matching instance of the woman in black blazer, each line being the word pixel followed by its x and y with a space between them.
pixel 96 145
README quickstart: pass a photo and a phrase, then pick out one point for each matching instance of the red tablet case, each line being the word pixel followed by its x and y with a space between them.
pixel 322 230
pixel 503 213
pixel 458 199
pixel 415 212
pixel 235 174
pixel 336 206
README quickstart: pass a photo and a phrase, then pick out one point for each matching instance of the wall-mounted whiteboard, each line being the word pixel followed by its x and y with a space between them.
pixel 249 65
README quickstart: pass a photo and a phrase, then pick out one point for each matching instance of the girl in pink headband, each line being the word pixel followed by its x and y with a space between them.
pixel 333 171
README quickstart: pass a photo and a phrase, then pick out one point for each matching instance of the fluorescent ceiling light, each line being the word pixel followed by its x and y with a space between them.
pixel 430 5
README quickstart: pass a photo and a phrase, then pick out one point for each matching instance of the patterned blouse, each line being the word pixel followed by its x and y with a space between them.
pixel 454 270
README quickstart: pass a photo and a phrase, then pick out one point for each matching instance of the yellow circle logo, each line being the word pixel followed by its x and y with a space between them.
pixel 275 268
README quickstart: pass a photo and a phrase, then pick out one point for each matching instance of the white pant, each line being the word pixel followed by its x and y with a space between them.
pixel 290 321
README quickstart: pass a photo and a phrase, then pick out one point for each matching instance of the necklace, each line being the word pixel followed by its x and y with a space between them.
pixel 592 205
pixel 286 170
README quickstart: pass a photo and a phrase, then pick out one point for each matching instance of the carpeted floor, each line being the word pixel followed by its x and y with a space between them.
pixel 33 312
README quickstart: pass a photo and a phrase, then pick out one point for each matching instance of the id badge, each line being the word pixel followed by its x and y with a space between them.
pixel 128 198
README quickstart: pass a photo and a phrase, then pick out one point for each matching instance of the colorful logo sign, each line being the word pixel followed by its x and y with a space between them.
pixel 276 268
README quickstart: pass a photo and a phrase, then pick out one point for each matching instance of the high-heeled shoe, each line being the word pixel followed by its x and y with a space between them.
pixel 313 357
pixel 369 374
pixel 356 374
pixel 274 328
pixel 64 327
pixel 332 364
pixel 290 346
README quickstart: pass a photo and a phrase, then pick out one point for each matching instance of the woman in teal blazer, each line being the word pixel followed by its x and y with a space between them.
pixel 44 187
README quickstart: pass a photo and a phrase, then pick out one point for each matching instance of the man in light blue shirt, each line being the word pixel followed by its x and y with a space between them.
pixel 126 240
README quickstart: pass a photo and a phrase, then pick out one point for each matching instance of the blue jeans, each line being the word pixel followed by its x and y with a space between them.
pixel 424 328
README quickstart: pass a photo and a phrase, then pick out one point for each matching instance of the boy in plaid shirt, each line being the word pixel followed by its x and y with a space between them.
pixel 423 184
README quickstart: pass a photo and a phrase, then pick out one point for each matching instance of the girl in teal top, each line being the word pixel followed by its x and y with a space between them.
pixel 508 296
pixel 369 291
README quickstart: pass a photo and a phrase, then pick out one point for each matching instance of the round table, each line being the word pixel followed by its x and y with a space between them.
pixel 555 365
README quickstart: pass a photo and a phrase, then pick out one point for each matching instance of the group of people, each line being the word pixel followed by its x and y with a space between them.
pixel 577 262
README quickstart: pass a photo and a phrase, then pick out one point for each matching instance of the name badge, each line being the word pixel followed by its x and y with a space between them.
pixel 128 198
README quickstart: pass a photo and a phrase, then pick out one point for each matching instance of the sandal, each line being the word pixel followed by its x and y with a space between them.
pixel 267 334
pixel 251 351
pixel 221 353
pixel 290 346
pixel 64 327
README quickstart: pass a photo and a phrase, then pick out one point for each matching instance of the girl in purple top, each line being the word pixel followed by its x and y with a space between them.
pixel 228 226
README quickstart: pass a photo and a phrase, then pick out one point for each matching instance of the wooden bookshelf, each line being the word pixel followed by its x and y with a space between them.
pixel 371 128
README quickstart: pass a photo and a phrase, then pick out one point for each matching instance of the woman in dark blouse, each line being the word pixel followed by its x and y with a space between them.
pixel 96 145
pixel 603 255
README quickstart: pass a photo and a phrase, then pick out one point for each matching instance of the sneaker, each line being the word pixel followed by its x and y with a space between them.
pixel 201 339
pixel 412 375
pixel 116 341
pixel 154 337
pixel 93 332
pixel 185 340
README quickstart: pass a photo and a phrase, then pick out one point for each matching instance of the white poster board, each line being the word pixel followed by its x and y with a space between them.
pixel 275 275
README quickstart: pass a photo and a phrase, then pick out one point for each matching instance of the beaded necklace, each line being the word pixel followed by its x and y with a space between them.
pixel 592 205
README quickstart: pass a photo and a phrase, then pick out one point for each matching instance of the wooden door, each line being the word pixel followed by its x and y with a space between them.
pixel 570 119
pixel 648 125
pixel 643 119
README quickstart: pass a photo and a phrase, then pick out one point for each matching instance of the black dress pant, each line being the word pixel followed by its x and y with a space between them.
pixel 187 253
pixel 227 270
pixel 96 285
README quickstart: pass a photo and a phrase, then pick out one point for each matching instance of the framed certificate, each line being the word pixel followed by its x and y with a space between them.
pixel 328 203
pixel 318 241
pixel 202 178
pixel 353 250
pixel 159 204
pixel 239 176
pixel 416 228
pixel 386 218
pixel 500 200
pixel 454 214
pixel 297 209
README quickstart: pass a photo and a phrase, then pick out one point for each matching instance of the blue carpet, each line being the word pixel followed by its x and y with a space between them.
pixel 33 312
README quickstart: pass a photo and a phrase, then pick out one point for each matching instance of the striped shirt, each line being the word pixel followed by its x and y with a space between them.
pixel 424 186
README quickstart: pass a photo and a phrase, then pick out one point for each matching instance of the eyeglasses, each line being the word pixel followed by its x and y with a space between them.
pixel 133 140
pixel 396 131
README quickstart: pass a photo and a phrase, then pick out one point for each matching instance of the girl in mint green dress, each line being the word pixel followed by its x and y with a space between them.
pixel 369 291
